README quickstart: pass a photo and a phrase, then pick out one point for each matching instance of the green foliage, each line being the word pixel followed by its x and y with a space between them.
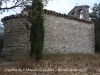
pixel 35 17
pixel 27 26
pixel 95 17
pixel 1 44
pixel 95 14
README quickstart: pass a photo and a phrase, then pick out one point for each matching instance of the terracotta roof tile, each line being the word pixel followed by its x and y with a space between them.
pixel 48 12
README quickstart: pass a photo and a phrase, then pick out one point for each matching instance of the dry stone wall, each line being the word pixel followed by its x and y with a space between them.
pixel 68 36
pixel 62 35
pixel 16 37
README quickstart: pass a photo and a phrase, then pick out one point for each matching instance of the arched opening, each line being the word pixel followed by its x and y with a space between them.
pixel 73 14
pixel 80 13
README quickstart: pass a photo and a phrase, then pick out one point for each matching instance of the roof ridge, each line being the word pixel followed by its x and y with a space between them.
pixel 48 12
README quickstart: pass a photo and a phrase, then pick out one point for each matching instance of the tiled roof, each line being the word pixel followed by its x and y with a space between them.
pixel 48 12
pixel 12 17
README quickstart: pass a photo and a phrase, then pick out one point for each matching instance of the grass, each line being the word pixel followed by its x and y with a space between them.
pixel 87 59
pixel 55 61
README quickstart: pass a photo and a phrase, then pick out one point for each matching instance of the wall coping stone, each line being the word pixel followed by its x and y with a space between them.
pixel 47 12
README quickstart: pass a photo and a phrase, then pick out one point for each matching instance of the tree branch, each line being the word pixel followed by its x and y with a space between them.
pixel 8 7
pixel 16 5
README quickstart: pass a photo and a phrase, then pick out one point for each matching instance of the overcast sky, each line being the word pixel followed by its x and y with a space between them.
pixel 62 6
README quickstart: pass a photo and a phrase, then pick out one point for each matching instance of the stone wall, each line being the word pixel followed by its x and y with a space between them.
pixel 16 37
pixel 63 34
pixel 82 10
pixel 68 36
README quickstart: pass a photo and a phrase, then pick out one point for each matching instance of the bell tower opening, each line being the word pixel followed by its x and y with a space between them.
pixel 81 12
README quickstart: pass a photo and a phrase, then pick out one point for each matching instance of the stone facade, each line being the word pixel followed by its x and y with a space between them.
pixel 79 11
pixel 68 36
pixel 16 37
pixel 63 34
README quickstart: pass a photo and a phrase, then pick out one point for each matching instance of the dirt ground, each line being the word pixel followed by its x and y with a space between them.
pixel 51 64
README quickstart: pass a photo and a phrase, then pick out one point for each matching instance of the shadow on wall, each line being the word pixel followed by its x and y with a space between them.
pixel 1 38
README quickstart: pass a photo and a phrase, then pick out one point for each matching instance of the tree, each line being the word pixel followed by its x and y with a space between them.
pixel 13 4
pixel 95 17
pixel 35 17
pixel 37 29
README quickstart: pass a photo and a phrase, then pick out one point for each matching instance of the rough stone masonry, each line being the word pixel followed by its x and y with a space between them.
pixel 63 34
